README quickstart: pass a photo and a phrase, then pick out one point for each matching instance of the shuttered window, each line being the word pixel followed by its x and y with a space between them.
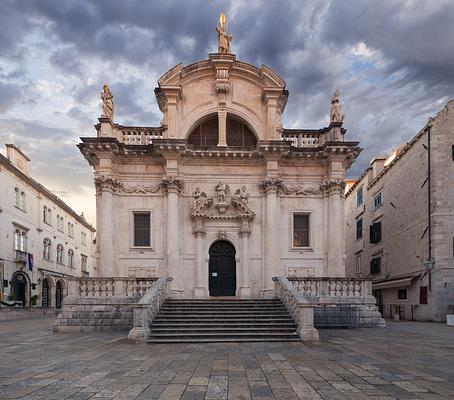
pixel 375 232
pixel 300 230
pixel 375 265
pixel 142 229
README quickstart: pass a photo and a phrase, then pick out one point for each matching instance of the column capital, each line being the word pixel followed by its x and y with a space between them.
pixel 270 185
pixel 333 185
pixel 172 184
pixel 107 183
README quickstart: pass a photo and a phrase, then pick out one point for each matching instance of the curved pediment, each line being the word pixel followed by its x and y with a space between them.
pixel 221 85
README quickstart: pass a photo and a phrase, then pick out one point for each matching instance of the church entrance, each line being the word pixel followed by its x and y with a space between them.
pixel 222 269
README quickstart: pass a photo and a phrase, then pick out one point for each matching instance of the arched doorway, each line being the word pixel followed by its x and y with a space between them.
pixel 58 294
pixel 46 293
pixel 222 269
pixel 19 287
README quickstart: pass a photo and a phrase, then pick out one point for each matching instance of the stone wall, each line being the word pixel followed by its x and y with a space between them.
pixel 13 313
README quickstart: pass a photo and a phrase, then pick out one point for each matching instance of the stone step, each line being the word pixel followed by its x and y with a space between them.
pixel 222 340
pixel 223 309
pixel 223 330
pixel 223 312
pixel 210 320
pixel 223 324
pixel 205 335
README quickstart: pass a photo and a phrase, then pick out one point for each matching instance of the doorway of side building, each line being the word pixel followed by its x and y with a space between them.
pixel 58 294
pixel 46 294
pixel 19 287
pixel 379 300
pixel 222 269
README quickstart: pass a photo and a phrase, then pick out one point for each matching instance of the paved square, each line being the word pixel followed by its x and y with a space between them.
pixel 406 360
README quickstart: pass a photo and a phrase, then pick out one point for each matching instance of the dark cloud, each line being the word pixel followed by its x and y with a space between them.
pixel 400 73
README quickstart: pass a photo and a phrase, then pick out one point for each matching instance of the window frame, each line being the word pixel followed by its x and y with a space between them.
pixel 20 240
pixel 379 196
pixel 136 213
pixel 375 271
pixel 375 238
pixel 131 229
pixel 359 220
pixel 59 251
pixel 70 258
pixel 402 290
pixel 292 229
pixel 359 196
pixel 47 246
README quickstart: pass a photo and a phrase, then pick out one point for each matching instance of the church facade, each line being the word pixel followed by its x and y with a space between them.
pixel 220 196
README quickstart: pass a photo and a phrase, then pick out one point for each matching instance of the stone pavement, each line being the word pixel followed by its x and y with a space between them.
pixel 406 360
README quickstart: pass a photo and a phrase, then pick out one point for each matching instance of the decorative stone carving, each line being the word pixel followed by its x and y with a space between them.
pixel 107 182
pixel 224 38
pixel 221 191
pixel 270 185
pixel 107 103
pixel 140 188
pixel 237 208
pixel 302 190
pixel 332 185
pixel 336 113
pixel 222 84
pixel 222 235
pixel 172 183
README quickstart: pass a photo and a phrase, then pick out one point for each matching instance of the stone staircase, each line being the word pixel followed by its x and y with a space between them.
pixel 195 321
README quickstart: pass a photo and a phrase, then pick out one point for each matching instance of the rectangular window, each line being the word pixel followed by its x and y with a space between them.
pixel 402 294
pixel 378 200
pixel 300 230
pixel 359 196
pixel 142 229
pixel 358 265
pixel 359 228
pixel 375 232
pixel 423 295
pixel 375 265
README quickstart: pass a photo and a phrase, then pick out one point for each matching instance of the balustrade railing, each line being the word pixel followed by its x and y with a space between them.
pixel 332 287
pixel 109 287
pixel 299 139
pixel 140 135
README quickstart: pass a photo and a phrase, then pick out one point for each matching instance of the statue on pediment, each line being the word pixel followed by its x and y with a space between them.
pixel 107 103
pixel 336 113
pixel 242 194
pixel 224 38
pixel 221 191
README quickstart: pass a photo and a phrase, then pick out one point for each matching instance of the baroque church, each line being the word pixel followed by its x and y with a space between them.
pixel 220 197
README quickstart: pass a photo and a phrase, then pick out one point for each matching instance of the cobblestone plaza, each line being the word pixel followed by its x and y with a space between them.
pixel 405 360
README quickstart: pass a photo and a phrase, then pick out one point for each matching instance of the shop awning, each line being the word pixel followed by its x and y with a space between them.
pixel 392 283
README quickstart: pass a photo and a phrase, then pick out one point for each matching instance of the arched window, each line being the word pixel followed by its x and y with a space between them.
pixel 59 253
pixel 46 248
pixel 206 133
pixel 19 240
pixel 49 216
pixel 17 197
pixel 70 258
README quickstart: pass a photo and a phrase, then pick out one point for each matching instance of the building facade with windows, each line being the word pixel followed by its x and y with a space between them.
pixel 400 224
pixel 42 240
pixel 220 196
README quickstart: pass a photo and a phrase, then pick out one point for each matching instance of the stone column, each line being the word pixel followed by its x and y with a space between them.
pixel 201 281
pixel 173 186
pixel 222 119
pixel 270 187
pixel 334 189
pixel 245 287
pixel 106 186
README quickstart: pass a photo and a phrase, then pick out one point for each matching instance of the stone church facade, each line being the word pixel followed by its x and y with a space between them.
pixel 220 196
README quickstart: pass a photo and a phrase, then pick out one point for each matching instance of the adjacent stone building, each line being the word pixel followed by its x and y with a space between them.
pixel 42 240
pixel 400 224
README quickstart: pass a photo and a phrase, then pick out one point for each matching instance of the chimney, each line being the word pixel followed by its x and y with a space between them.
pixel 377 164
pixel 18 158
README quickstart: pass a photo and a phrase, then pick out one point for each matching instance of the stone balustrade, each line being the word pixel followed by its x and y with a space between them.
pixel 147 308
pixel 299 139
pixel 299 308
pixel 140 135
pixel 109 287
pixel 339 288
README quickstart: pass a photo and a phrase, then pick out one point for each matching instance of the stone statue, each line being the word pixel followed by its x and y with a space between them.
pixel 107 103
pixel 224 38
pixel 198 197
pixel 335 114
pixel 221 191
pixel 242 195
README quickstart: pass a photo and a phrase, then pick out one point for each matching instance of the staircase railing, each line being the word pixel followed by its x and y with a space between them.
pixel 147 308
pixel 299 308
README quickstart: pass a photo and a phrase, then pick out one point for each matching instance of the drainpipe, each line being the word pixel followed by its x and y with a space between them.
pixel 430 261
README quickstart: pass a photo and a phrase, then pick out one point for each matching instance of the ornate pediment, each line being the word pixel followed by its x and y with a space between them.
pixel 222 205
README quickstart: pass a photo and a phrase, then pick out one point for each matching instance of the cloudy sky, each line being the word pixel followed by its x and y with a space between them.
pixel 392 60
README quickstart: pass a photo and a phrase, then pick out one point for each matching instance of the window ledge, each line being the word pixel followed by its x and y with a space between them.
pixel 141 248
pixel 301 249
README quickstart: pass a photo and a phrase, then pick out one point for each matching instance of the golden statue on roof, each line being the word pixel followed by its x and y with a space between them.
pixel 224 38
